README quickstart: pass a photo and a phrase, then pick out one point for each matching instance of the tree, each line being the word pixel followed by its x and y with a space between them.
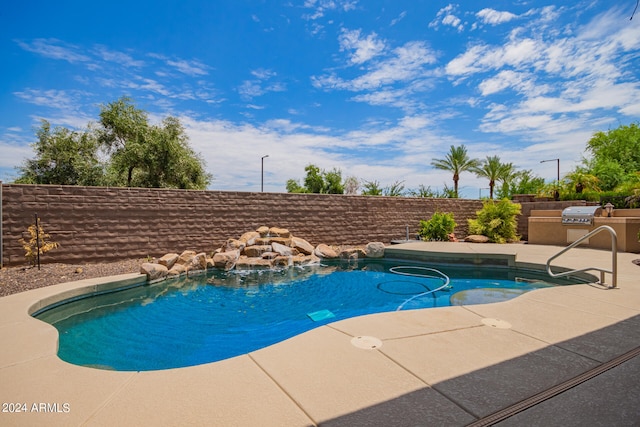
pixel 581 180
pixel 371 188
pixel 620 145
pixel 494 170
pixel 318 181
pixel 333 182
pixel 520 182
pixel 456 161
pixel 394 190
pixel 145 155
pixel 294 186
pixel 313 182
pixel 351 185
pixel 63 157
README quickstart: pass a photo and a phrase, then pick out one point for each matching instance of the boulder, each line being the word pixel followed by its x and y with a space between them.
pixel 374 250
pixel 263 231
pixel 279 232
pixel 282 249
pixel 351 253
pixel 185 258
pixel 253 263
pixel 168 260
pixel 476 238
pixel 256 250
pixel 153 271
pixel 302 245
pixel 249 238
pixel 305 259
pixel 269 240
pixel 232 244
pixel 283 261
pixel 198 262
pixel 324 251
pixel 177 270
pixel 226 260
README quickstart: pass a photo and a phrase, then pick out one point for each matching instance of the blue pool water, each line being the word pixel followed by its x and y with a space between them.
pixel 224 314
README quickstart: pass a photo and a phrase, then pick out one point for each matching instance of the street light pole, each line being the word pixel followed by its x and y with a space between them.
pixel 557 195
pixel 262 173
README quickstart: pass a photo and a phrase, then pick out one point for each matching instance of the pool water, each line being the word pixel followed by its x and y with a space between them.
pixel 191 321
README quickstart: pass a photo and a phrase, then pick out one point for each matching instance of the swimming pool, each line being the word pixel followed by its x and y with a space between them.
pixel 190 321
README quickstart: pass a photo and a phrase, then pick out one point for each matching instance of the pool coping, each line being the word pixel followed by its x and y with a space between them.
pixel 321 377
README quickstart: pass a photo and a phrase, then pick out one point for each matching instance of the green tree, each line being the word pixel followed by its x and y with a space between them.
pixel 318 181
pixel 494 170
pixel 371 188
pixel 456 161
pixel 314 182
pixel 423 191
pixel 63 157
pixel 145 155
pixel 294 186
pixel 620 145
pixel 394 190
pixel 333 182
pixel 520 182
pixel 580 180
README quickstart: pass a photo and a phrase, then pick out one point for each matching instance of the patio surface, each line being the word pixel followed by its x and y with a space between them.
pixel 444 366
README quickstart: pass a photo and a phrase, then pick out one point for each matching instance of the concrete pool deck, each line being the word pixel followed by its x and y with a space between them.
pixel 444 366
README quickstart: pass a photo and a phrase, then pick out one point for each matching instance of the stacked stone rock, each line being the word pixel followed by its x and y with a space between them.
pixel 264 248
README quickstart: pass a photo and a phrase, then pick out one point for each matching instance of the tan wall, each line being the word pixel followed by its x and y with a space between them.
pixel 94 224
pixel 529 207
pixel 544 230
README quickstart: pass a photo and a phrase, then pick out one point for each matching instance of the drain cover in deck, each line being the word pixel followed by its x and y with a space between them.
pixel 366 343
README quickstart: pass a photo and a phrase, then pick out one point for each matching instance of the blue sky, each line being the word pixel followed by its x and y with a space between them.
pixel 375 88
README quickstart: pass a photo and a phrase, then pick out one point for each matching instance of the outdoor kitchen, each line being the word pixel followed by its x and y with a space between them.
pixel 563 227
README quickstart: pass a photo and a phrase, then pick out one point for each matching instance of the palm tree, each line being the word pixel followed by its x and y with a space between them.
pixel 582 180
pixel 494 170
pixel 456 161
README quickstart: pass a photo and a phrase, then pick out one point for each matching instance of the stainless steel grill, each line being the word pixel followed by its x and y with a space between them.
pixel 580 214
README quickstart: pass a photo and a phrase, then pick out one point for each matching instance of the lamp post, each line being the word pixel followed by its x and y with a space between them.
pixel 557 194
pixel 262 173
pixel 480 191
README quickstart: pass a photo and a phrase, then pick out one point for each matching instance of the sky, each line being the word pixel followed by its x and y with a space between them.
pixel 375 88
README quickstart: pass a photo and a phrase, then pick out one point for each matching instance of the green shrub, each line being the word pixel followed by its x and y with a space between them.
pixel 438 227
pixel 497 221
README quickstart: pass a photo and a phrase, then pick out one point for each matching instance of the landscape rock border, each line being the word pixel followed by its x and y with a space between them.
pixel 262 249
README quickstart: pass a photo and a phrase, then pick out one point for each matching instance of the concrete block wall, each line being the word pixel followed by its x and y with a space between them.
pixel 95 224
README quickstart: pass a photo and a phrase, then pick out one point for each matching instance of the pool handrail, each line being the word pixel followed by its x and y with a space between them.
pixel 614 257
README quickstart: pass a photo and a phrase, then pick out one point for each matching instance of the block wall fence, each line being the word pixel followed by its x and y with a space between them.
pixel 97 224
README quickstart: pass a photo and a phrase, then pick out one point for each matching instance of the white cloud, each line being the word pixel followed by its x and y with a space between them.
pixel 117 57
pixel 320 7
pixel 363 48
pixel 405 63
pixel 494 17
pixel 447 16
pixel 190 68
pixel 400 17
pixel 55 49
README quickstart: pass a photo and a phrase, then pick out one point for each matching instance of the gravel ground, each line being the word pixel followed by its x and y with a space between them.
pixel 20 279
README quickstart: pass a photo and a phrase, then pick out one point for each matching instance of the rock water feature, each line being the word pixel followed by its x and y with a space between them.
pixel 263 249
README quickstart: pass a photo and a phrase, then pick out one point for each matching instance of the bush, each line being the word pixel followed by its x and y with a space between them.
pixel 438 227
pixel 497 221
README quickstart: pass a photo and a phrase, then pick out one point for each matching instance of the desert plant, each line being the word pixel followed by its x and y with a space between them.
pixel 439 227
pixel 38 241
pixel 497 221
